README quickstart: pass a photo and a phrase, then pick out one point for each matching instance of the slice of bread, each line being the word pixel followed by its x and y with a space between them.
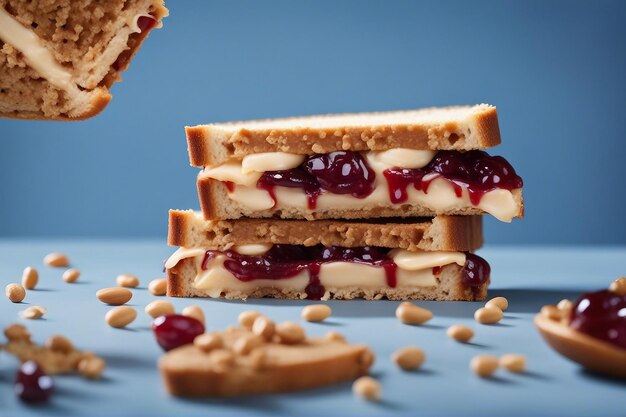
pixel 458 128
pixel 450 287
pixel 444 233
pixel 59 58
pixel 216 204
pixel 270 367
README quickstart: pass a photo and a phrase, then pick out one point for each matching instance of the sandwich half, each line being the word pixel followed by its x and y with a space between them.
pixel 422 259
pixel 424 162
pixel 59 58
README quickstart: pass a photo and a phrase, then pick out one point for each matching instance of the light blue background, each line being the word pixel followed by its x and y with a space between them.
pixel 555 69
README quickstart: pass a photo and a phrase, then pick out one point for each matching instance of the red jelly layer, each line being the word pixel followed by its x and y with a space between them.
pixel 602 315
pixel 477 171
pixel 287 261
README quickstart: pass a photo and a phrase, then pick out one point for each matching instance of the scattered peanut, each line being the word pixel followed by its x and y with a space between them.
pixel 195 312
pixel 247 318
pixel 56 260
pixel 158 286
pixel 71 275
pixel 15 292
pixel 484 365
pixel 551 312
pixel 16 332
pixel 209 341
pixel 618 286
pixel 499 302
pixel 114 296
pixel 159 308
pixel 58 343
pixel 408 358
pixel 316 312
pixel 30 277
pixel 120 316
pixel 290 333
pixel 246 343
pixel 460 333
pixel 335 336
pixel 264 327
pixel 91 367
pixel 409 313
pixel 33 313
pixel 565 307
pixel 367 387
pixel 127 280
pixel 488 315
pixel 513 362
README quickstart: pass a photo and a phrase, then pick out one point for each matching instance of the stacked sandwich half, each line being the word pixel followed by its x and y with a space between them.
pixel 343 206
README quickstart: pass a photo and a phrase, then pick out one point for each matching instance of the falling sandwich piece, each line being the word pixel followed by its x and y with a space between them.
pixel 427 259
pixel 59 58
pixel 397 164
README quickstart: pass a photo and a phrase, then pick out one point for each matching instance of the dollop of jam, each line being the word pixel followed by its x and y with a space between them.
pixel 176 330
pixel 342 172
pixel 287 261
pixel 146 23
pixel 477 171
pixel 602 315
pixel 32 384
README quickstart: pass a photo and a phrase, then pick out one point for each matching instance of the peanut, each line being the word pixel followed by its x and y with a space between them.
pixel 247 343
pixel 335 336
pixel 316 312
pixel 290 333
pixel 158 286
pixel 33 313
pixel 513 362
pixel 114 296
pixel 618 286
pixel 222 359
pixel 565 307
pixel 91 367
pixel 58 343
pixel 460 333
pixel 488 315
pixel 30 277
pixel 551 312
pixel 15 292
pixel 56 260
pixel 367 387
pixel 71 275
pixel 499 302
pixel 264 327
pixel 484 365
pixel 246 318
pixel 127 280
pixel 195 312
pixel 16 332
pixel 120 316
pixel 208 341
pixel 408 358
pixel 409 313
pixel 159 308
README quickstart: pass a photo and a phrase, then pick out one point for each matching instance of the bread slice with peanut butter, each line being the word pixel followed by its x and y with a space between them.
pixel 59 58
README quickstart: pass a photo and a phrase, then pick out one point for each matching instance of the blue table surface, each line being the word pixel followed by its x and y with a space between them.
pixel 528 276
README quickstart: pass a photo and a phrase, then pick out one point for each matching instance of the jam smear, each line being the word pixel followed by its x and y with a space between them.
pixel 476 170
pixel 230 186
pixel 146 23
pixel 341 172
pixel 602 315
pixel 176 330
pixel 32 384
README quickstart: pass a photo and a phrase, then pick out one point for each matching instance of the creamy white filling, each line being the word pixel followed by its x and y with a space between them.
pixel 440 196
pixel 415 269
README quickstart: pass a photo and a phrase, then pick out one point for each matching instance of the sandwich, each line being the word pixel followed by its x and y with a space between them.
pixel 416 163
pixel 394 258
pixel 59 58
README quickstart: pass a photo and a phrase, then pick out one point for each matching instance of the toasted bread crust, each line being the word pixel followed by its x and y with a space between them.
pixel 215 204
pixel 450 287
pixel 99 96
pixel 444 233
pixel 210 145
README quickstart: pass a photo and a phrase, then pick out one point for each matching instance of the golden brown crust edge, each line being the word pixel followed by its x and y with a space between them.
pixel 443 233
pixel 212 195
pixel 324 140
pixel 180 284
